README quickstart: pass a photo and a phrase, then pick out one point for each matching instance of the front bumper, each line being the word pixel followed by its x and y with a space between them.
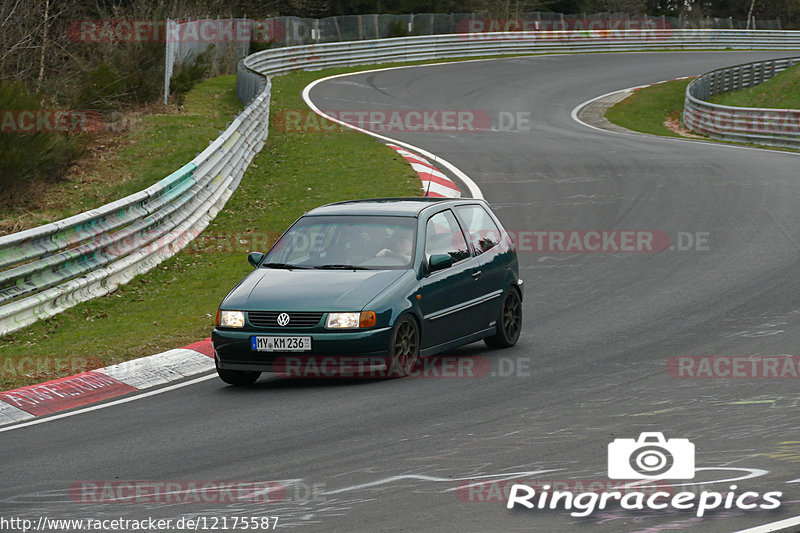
pixel 342 350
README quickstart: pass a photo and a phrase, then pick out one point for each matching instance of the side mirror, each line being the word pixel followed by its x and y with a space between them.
pixel 439 262
pixel 254 258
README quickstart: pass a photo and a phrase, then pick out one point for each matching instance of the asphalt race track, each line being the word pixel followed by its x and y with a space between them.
pixel 591 365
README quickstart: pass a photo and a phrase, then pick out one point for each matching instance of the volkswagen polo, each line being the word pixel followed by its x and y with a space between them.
pixel 372 285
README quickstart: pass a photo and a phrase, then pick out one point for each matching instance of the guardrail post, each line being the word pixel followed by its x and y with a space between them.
pixel 169 59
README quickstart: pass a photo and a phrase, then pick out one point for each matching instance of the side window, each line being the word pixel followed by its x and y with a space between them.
pixel 444 236
pixel 482 231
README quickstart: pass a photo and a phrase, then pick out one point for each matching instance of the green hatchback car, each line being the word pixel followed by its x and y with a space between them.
pixel 367 287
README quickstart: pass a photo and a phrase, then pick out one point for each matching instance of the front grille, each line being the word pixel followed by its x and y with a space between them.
pixel 297 319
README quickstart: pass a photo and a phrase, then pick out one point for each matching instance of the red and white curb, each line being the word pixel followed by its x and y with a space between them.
pixel 639 87
pixel 434 182
pixel 97 385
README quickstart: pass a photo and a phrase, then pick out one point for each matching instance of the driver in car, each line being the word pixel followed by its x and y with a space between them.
pixel 400 248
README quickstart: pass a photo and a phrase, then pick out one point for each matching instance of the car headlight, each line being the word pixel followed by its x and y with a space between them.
pixel 230 319
pixel 364 319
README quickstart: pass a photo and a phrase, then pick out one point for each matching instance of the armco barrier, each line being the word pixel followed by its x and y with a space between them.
pixel 773 127
pixel 48 269
pixel 281 60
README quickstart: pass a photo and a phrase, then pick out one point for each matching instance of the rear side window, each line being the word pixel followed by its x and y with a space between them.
pixel 443 235
pixel 482 232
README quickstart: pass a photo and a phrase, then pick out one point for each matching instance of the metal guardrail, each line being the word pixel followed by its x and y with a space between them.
pixel 772 127
pixel 48 269
pixel 281 60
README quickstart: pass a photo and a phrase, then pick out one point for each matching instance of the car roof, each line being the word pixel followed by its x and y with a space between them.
pixel 406 207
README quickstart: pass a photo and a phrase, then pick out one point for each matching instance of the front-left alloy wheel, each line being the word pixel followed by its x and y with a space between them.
pixel 404 347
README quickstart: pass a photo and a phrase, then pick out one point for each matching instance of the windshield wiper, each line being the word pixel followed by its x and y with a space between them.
pixel 282 265
pixel 341 267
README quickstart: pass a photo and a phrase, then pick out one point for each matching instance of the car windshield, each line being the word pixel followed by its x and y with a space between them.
pixel 345 242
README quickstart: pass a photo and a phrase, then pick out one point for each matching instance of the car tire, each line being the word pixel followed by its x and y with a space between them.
pixel 404 347
pixel 509 321
pixel 239 378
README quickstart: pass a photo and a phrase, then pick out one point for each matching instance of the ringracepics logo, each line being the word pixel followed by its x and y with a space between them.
pixel 650 457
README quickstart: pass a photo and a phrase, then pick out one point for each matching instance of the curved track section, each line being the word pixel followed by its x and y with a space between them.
pixel 591 366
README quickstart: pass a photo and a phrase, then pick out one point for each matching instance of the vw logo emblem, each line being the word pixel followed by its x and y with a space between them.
pixel 283 319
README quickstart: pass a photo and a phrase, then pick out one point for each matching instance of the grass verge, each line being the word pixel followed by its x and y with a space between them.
pixel 647 110
pixel 175 303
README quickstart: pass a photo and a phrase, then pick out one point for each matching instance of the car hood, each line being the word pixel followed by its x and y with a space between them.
pixel 272 289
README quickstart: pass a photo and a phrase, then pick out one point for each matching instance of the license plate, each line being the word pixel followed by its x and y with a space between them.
pixel 280 344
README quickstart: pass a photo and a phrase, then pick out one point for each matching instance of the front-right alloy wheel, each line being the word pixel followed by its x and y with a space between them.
pixel 509 323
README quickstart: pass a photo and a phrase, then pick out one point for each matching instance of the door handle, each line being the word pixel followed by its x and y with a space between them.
pixel 476 274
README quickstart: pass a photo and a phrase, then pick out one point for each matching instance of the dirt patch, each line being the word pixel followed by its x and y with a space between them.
pixel 674 124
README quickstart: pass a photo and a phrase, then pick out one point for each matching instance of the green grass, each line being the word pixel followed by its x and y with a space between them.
pixel 779 92
pixel 161 144
pixel 175 303
pixel 647 109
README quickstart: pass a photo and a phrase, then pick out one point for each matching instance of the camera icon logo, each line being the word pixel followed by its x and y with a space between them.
pixel 651 457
